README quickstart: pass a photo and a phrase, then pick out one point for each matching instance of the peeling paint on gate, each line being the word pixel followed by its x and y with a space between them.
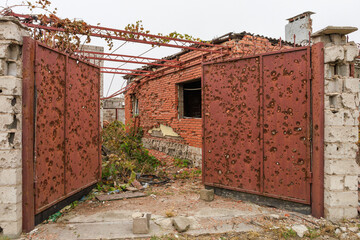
pixel 256 117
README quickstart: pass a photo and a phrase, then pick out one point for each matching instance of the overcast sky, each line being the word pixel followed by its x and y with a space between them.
pixel 203 19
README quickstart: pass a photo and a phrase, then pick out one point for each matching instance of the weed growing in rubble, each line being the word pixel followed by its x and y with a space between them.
pixel 124 156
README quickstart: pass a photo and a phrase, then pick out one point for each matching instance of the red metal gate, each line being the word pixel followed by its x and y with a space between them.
pixel 256 116
pixel 65 132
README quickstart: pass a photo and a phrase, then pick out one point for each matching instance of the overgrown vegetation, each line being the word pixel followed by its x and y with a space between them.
pixel 124 157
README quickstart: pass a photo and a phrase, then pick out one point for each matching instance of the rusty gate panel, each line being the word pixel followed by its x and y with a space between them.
pixel 49 127
pixel 67 130
pixel 287 125
pixel 256 119
pixel 82 125
pixel 232 126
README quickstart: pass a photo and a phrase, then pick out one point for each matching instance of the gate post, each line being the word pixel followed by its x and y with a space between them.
pixel 11 37
pixel 341 132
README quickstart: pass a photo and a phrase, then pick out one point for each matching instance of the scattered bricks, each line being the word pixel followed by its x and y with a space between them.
pixel 351 52
pixel 207 194
pixel 351 182
pixel 333 182
pixel 351 85
pixel 334 53
pixel 141 223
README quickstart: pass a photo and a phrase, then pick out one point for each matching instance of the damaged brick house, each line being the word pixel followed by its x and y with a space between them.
pixel 168 107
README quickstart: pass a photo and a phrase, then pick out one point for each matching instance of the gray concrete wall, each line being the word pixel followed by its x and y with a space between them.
pixel 341 128
pixel 11 34
pixel 300 26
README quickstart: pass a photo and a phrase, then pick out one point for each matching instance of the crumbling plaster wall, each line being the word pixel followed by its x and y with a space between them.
pixel 341 128
pixel 11 34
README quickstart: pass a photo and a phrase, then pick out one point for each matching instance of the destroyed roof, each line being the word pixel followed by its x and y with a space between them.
pixel 218 40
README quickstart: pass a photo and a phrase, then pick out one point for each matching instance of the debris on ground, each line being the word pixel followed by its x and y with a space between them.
pixel 181 224
pixel 125 195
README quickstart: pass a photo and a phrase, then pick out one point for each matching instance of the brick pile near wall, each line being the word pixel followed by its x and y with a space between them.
pixel 158 100
pixel 11 33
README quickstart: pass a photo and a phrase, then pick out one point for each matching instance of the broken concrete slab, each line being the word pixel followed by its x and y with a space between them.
pixel 120 196
pixel 181 224
pixel 300 229
pixel 141 223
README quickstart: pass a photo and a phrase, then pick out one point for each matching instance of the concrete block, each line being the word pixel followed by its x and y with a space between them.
pixel 10 104
pixel 10 158
pixel 351 117
pixel 351 85
pixel 334 53
pixel 346 150
pixel 10 212
pixel 10 85
pixel 11 29
pixel 345 167
pixel 350 100
pixel 334 182
pixel 10 122
pixel 351 182
pixel 141 223
pixel 333 213
pixel 334 118
pixel 341 133
pixel 10 140
pixel 350 212
pixel 341 198
pixel 207 194
pixel 334 85
pixel 351 52
pixel 11 194
pixel 10 176
pixel 12 229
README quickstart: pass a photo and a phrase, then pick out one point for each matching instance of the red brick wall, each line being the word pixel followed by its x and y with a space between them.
pixel 158 98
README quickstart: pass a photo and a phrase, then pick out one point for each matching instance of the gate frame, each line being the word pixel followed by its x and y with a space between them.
pixel 316 91
pixel 28 136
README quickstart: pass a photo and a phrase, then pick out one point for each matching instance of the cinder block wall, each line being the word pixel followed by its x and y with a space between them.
pixel 11 34
pixel 341 128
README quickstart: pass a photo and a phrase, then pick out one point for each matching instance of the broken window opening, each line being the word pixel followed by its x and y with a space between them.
pixel 190 99
pixel 135 105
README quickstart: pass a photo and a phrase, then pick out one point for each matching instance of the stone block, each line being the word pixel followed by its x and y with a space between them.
pixel 334 182
pixel 351 182
pixel 11 29
pixel 12 229
pixel 334 118
pixel 10 104
pixel 341 198
pixel 9 122
pixel 10 176
pixel 334 53
pixel 141 223
pixel 334 85
pixel 341 133
pixel 10 212
pixel 350 212
pixel 10 85
pixel 350 100
pixel 351 85
pixel 10 194
pixel 351 117
pixel 207 194
pixel 345 167
pixel 10 158
pixel 10 140
pixel 351 51
pixel 333 213
pixel 346 150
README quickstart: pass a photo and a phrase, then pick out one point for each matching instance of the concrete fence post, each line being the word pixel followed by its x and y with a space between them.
pixel 341 123
pixel 11 35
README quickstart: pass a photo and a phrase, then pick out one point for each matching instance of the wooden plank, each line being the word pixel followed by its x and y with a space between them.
pixel 120 196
